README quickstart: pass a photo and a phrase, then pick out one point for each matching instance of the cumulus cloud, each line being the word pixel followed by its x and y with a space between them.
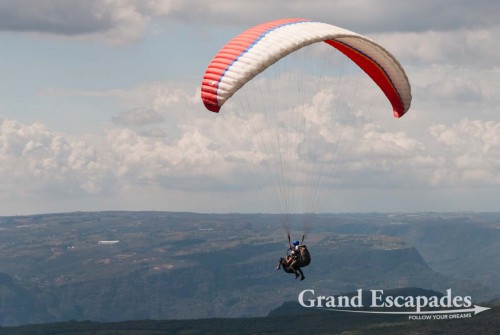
pixel 34 158
pixel 349 128
pixel 475 145
pixel 232 151
pixel 462 47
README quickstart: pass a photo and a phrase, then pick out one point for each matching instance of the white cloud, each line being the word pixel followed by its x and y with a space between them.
pixel 472 151
pixel 36 159
pixel 218 154
pixel 463 47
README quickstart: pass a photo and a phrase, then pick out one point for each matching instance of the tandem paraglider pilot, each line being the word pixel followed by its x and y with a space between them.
pixel 298 258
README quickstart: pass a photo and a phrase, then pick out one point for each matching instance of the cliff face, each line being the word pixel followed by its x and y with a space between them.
pixel 19 305
pixel 459 245
pixel 214 286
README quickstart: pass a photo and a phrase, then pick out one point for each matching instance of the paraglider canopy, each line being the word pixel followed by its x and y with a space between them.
pixel 297 142
pixel 259 47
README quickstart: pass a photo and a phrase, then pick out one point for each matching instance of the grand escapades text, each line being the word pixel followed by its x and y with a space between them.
pixel 307 298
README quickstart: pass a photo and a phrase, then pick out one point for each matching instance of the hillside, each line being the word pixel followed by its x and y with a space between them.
pixel 459 245
pixel 114 266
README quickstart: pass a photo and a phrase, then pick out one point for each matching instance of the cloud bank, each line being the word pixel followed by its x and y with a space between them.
pixel 126 21
pixel 162 149
pixel 220 153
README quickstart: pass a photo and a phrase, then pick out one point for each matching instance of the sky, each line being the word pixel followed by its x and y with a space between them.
pixel 100 107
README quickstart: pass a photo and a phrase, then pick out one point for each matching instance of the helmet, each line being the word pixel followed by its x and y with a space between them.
pixel 296 242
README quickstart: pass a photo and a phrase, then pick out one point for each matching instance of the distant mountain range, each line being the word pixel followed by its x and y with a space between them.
pixel 115 266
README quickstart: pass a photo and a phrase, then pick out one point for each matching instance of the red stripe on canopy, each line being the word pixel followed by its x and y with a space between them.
pixel 376 73
pixel 227 55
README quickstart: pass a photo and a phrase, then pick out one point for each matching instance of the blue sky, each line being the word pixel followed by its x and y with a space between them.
pixel 101 111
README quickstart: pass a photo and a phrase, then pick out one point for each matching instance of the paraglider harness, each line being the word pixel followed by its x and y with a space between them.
pixel 302 255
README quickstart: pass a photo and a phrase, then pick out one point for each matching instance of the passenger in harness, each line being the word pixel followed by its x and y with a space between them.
pixel 285 263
